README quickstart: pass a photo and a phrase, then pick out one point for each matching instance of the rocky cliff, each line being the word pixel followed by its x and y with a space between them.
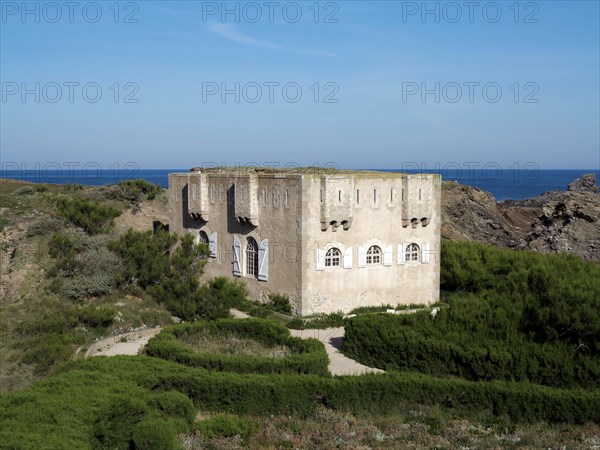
pixel 557 221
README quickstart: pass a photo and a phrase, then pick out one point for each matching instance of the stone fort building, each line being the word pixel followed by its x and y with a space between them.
pixel 330 240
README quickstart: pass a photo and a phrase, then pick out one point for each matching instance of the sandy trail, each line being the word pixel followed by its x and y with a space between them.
pixel 332 338
pixel 122 344
pixel 133 342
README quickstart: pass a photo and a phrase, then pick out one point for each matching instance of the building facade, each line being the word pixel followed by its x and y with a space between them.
pixel 330 240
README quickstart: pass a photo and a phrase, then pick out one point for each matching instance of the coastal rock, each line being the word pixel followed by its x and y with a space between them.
pixel 557 221
pixel 585 183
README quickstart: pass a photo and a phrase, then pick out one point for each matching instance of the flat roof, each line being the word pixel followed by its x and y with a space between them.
pixel 298 171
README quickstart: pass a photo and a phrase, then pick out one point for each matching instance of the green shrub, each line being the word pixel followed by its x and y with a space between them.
pixel 170 272
pixel 227 425
pixel 48 350
pixel 111 402
pixel 317 322
pixel 280 303
pixel 93 218
pixel 380 394
pixel 155 433
pixel 511 316
pixel 44 225
pixel 101 317
pixel 309 356
pixel 134 191
pixel 87 267
pixel 140 421
pixel 371 309
pixel 24 190
pixel 73 187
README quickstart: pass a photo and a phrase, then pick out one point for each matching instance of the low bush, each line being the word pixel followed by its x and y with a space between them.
pixel 381 394
pixel 108 402
pixel 52 338
pixel 135 191
pixel 227 425
pixel 317 322
pixel 511 316
pixel 280 303
pixel 44 225
pixel 385 308
pixel 308 357
pixel 86 267
pixel 168 269
pixel 391 343
pixel 30 189
pixel 93 218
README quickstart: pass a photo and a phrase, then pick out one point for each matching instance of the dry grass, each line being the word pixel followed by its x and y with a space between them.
pixel 231 344
pixel 327 429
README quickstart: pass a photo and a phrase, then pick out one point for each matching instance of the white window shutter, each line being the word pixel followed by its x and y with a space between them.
pixel 425 253
pixel 348 258
pixel 362 257
pixel 320 259
pixel 212 244
pixel 387 256
pixel 237 257
pixel 263 260
pixel 401 254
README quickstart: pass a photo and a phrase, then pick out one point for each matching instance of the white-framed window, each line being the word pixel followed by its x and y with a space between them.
pixel 412 252
pixel 374 255
pixel 202 237
pixel 251 254
pixel 333 257
pixel 286 198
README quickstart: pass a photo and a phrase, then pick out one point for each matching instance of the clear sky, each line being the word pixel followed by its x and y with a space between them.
pixel 362 84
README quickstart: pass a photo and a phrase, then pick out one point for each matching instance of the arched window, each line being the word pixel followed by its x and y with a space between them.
pixel 251 257
pixel 202 237
pixel 333 257
pixel 412 252
pixel 374 255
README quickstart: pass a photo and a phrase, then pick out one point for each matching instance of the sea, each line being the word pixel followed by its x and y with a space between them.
pixel 503 184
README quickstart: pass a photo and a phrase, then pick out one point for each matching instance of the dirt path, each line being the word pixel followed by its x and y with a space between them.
pixel 132 342
pixel 122 344
pixel 332 338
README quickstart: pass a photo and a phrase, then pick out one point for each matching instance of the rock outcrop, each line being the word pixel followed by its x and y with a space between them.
pixel 557 221
pixel 586 183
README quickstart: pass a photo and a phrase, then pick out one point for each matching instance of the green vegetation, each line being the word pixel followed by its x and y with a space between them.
pixel 317 322
pixel 135 191
pixel 227 425
pixel 514 322
pixel 168 268
pixel 511 316
pixel 308 355
pixel 384 308
pixel 31 189
pixel 103 402
pixel 84 267
pixel 92 217
pixel 62 286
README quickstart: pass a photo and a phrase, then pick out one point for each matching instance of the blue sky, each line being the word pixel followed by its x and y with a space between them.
pixel 375 58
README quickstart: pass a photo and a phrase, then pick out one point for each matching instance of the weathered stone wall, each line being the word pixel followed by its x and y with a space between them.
pixel 379 218
pixel 302 215
pixel 271 201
